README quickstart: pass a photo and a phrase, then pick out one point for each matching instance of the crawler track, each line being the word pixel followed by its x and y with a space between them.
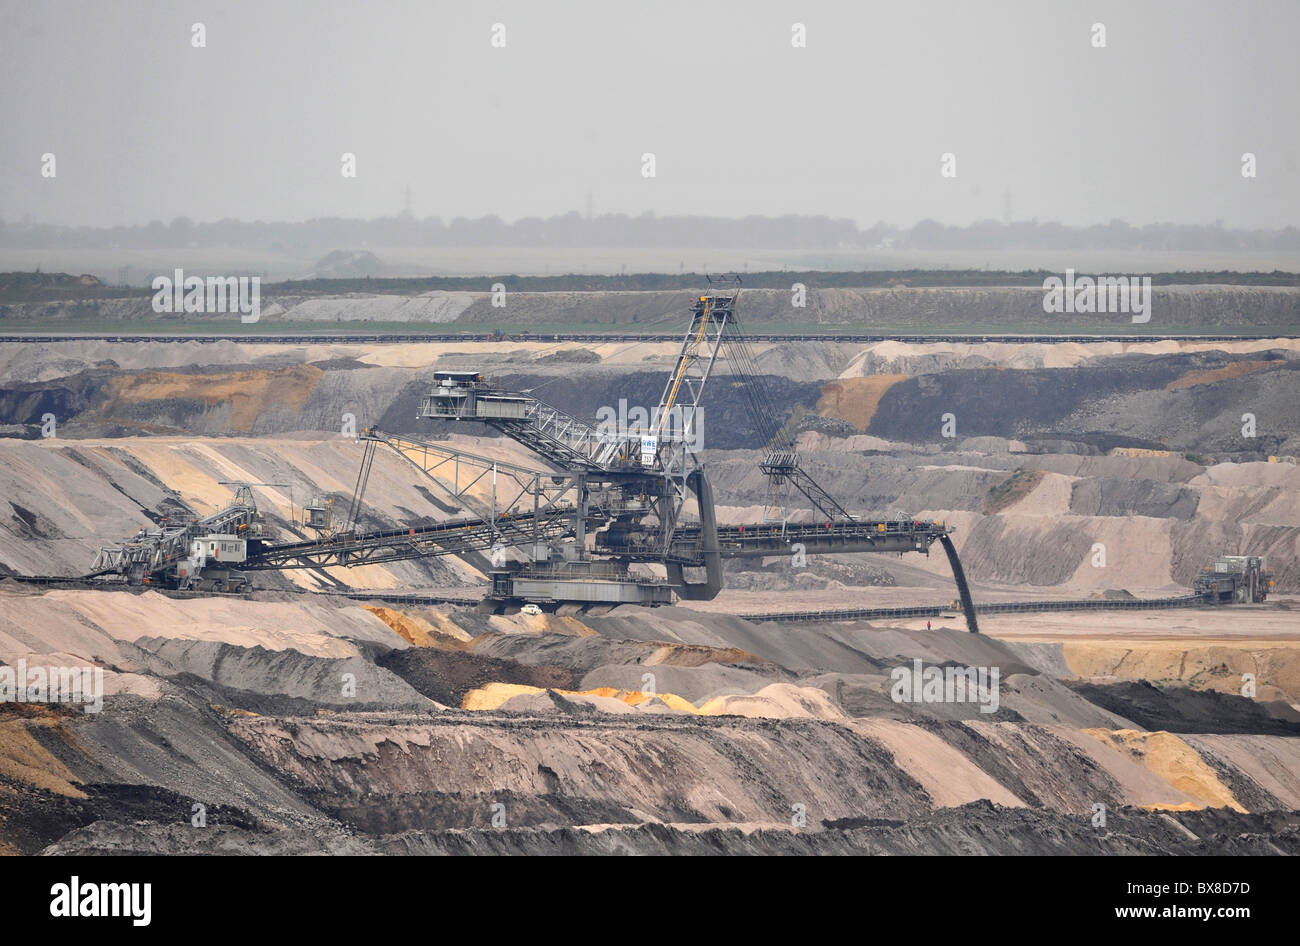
pixel 86 582
pixel 113 582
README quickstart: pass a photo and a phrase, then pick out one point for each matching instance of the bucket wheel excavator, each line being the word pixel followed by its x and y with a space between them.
pixel 605 504
pixel 615 496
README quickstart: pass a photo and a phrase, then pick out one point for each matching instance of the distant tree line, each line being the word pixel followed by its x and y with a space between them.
pixel 646 231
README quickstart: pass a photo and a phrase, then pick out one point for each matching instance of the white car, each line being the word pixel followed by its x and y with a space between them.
pixel 530 609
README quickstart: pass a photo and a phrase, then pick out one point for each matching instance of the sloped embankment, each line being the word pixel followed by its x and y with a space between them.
pixel 977 828
pixel 246 716
pixel 979 309
pixel 405 773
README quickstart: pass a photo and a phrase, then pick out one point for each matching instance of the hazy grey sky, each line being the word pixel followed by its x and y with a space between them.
pixel 1151 128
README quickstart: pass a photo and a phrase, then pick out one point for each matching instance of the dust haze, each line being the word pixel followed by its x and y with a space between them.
pixel 1150 128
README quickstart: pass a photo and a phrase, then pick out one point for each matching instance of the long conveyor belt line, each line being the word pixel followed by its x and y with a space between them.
pixel 106 583
pixel 1000 607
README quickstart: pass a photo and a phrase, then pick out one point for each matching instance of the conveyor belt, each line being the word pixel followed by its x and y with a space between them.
pixel 115 583
pixel 1001 607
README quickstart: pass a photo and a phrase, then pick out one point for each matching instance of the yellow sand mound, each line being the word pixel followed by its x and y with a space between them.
pixel 855 399
pixel 493 695
pixel 24 759
pixel 697 655
pixel 248 393
pixel 1207 666
pixel 1173 760
pixel 776 701
pixel 411 629
pixel 1139 452
pixel 1234 370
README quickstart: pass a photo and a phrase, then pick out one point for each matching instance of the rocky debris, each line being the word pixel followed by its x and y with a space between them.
pixel 1183 710
pixel 975 828
pixel 570 356
pixel 778 574
pixel 828 426
pixel 31 818
pixel 446 676
pixel 353 683
pixel 666 767
pixel 179 743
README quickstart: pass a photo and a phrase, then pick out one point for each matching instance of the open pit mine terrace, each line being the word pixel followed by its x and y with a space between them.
pixel 375 706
